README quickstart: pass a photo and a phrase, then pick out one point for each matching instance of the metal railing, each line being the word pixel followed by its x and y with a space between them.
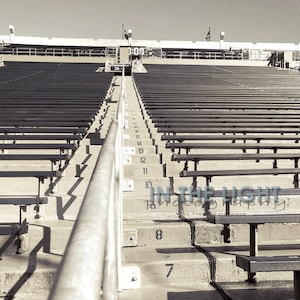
pixel 92 261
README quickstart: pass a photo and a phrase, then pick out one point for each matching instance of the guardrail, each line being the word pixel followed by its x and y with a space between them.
pixel 92 261
pixel 35 51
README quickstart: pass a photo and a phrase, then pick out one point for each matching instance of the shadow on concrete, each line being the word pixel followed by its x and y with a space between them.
pixel 194 295
pixel 242 293
pixel 43 244
pixel 271 290
pixel 61 209
pixel 177 250
pixel 95 138
pixel 10 240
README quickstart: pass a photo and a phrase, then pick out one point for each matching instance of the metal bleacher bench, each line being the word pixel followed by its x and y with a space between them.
pixel 208 174
pixel 38 146
pixel 232 130
pixel 255 157
pixel 231 137
pixel 231 146
pixel 255 263
pixel 43 130
pixel 21 227
pixel 43 137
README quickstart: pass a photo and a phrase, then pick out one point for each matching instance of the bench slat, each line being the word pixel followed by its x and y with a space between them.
pixel 230 146
pixel 206 137
pixel 249 172
pixel 38 174
pixel 254 219
pixel 12 229
pixel 38 146
pixel 23 200
pixel 246 156
pixel 253 264
pixel 40 137
pixel 52 157
pixel 222 129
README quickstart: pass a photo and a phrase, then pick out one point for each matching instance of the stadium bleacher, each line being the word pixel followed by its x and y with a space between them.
pixel 46 110
pixel 195 106
pixel 233 127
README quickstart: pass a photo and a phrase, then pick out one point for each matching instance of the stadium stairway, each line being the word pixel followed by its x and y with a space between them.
pixel 177 259
pixel 184 258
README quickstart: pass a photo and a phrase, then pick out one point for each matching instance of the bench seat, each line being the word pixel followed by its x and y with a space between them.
pixel 13 229
pixel 253 264
pixel 254 219
pixel 37 174
pixel 231 130
pixel 230 146
pixel 212 124
pixel 232 137
pixel 208 174
pixel 33 137
pixel 38 146
pixel 43 130
pixel 247 172
pixel 51 157
pixel 24 200
pixel 246 156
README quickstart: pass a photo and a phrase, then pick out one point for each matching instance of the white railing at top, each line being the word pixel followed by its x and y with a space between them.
pixel 91 264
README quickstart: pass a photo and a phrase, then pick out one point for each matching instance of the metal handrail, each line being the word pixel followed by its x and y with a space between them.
pixel 91 264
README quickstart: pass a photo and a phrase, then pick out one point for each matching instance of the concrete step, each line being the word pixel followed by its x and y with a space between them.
pixel 142 206
pixel 156 233
pixel 143 170
pixel 165 265
pixel 159 199
pixel 54 234
pixel 160 231
pixel 137 141
pixel 130 135
pixel 22 274
pixel 135 159
pixel 21 186
pixel 144 150
pixel 181 264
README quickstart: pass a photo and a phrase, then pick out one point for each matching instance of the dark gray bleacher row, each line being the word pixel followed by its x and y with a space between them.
pixel 46 107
